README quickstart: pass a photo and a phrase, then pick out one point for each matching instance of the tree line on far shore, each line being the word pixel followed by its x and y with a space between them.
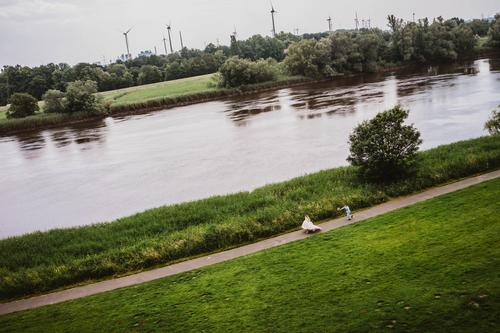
pixel 257 59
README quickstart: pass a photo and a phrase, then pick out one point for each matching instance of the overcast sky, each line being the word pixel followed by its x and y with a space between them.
pixel 34 32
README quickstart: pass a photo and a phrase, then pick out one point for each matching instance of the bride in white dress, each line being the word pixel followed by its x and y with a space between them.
pixel 308 226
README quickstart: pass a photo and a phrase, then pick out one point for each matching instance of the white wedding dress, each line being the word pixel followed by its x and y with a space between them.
pixel 308 226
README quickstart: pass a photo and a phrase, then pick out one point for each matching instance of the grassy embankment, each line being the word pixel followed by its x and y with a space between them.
pixel 47 261
pixel 430 267
pixel 143 98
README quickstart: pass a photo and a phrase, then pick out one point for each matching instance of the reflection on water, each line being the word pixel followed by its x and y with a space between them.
pixel 79 134
pixel 100 171
pixel 241 109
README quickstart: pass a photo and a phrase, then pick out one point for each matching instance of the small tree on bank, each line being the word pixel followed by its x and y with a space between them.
pixel 22 105
pixel 384 147
pixel 81 97
pixel 236 72
pixel 493 124
pixel 54 102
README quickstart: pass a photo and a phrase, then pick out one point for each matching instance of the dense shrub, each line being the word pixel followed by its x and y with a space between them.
pixel 236 72
pixel 81 97
pixel 308 58
pixel 54 101
pixel 493 124
pixel 22 105
pixel 384 147
pixel 149 74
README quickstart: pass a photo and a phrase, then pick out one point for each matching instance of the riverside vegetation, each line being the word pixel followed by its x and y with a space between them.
pixel 241 66
pixel 45 261
pixel 430 267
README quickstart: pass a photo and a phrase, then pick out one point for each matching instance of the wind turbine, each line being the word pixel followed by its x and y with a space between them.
pixel 272 16
pixel 129 56
pixel 182 44
pixel 165 44
pixel 233 36
pixel 329 19
pixel 356 21
pixel 170 38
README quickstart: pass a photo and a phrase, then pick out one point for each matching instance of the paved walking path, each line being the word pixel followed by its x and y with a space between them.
pixel 99 287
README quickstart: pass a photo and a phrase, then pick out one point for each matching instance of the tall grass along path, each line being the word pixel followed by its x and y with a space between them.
pixel 130 280
pixel 43 262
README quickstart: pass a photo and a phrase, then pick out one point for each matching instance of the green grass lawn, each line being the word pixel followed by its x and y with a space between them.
pixel 173 88
pixel 45 261
pixel 430 267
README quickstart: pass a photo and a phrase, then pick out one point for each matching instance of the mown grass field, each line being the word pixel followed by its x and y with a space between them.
pixel 41 262
pixel 430 267
pixel 173 88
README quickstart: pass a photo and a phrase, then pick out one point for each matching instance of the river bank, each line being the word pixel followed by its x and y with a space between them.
pixel 46 121
pixel 44 261
pixel 199 90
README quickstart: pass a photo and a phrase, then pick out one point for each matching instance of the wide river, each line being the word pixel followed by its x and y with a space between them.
pixel 98 172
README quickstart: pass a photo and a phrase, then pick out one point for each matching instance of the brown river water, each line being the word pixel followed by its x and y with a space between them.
pixel 101 171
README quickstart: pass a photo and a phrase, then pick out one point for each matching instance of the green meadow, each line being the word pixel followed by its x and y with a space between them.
pixel 430 267
pixel 174 88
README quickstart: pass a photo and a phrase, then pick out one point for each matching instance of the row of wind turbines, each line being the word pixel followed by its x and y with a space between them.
pixel 169 28
pixel 365 24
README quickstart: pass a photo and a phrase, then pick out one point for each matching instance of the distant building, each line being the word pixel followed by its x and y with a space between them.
pixel 123 57
pixel 146 53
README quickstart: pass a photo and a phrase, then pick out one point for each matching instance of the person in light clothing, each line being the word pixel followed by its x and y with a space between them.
pixel 348 212
pixel 308 226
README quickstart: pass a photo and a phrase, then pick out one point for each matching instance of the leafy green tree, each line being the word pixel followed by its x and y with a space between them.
pixel 149 74
pixel 54 101
pixel 61 76
pixel 120 76
pixel 81 97
pixel 479 27
pixel 4 89
pixel 308 58
pixel 384 147
pixel 494 32
pixel 493 124
pixel 236 72
pixel 258 47
pixel 22 105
